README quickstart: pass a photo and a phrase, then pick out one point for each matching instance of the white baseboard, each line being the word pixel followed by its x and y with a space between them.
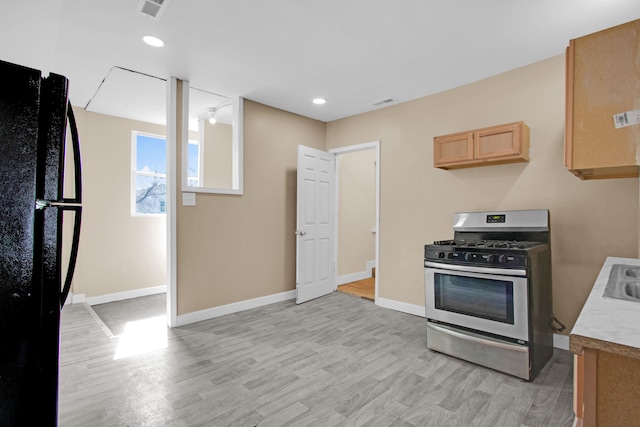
pixel 559 341
pixel 416 310
pixel 353 277
pixel 370 266
pixel 360 275
pixel 210 313
pixel 69 298
pixel 118 296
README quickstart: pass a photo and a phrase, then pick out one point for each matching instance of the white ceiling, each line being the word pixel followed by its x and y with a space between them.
pixel 132 95
pixel 283 53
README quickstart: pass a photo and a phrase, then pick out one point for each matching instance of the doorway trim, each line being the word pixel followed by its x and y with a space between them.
pixel 173 137
pixel 351 149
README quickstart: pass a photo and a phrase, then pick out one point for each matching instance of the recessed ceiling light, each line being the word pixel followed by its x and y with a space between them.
pixel 319 101
pixel 153 41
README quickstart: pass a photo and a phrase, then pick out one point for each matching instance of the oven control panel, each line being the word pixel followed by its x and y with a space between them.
pixel 502 260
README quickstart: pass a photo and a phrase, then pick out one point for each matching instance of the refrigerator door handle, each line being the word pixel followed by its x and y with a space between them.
pixel 73 256
pixel 77 167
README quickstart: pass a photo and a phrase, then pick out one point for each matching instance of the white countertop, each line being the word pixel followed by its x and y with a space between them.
pixel 605 323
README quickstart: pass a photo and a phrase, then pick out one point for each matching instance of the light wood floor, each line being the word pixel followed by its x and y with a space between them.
pixel 334 361
pixel 365 288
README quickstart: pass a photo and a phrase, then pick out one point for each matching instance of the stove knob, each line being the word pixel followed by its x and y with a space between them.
pixel 501 259
pixel 450 255
pixel 490 258
pixel 468 257
pixel 440 254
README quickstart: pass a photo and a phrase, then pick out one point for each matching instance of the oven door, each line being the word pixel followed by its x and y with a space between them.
pixel 484 299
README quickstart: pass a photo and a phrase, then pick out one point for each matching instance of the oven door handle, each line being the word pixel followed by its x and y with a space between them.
pixel 474 269
pixel 484 340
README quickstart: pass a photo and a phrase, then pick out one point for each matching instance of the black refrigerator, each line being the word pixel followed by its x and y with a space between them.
pixel 34 113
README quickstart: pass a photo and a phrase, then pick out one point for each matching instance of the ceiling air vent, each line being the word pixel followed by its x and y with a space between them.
pixel 152 8
pixel 384 102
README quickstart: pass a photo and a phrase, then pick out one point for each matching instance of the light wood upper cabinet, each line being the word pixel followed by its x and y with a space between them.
pixel 494 145
pixel 603 72
pixel 453 149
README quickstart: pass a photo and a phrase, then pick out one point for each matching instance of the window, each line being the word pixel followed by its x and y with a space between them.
pixel 193 162
pixel 149 174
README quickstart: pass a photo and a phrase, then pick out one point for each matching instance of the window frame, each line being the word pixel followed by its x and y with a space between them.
pixel 200 159
pixel 135 173
pixel 237 150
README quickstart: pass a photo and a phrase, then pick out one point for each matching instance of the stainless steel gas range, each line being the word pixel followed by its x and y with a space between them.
pixel 488 291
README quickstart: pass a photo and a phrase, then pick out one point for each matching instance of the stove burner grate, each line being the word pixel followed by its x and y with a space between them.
pixel 495 244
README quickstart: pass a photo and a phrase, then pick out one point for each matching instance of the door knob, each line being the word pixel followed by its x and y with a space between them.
pixel 300 233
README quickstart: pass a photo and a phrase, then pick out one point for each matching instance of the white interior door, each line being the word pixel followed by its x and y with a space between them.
pixel 315 272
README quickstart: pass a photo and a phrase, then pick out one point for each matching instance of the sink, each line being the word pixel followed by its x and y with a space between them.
pixel 632 290
pixel 623 283
pixel 631 271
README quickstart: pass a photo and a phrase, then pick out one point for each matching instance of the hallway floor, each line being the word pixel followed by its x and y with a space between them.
pixel 365 288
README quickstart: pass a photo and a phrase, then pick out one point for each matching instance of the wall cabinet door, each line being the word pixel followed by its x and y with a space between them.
pixel 453 149
pixel 602 75
pixel 498 141
pixel 493 145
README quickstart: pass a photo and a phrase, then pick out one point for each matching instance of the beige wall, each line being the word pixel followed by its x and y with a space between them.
pixel 356 211
pixel 218 156
pixel 590 220
pixel 118 252
pixel 234 248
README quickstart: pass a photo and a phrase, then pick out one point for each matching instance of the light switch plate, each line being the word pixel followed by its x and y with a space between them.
pixel 188 199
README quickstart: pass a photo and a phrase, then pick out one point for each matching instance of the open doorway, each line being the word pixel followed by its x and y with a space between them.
pixel 357 213
pixel 123 240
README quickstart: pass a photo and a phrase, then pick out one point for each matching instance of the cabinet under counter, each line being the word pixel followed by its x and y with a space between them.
pixel 606 343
